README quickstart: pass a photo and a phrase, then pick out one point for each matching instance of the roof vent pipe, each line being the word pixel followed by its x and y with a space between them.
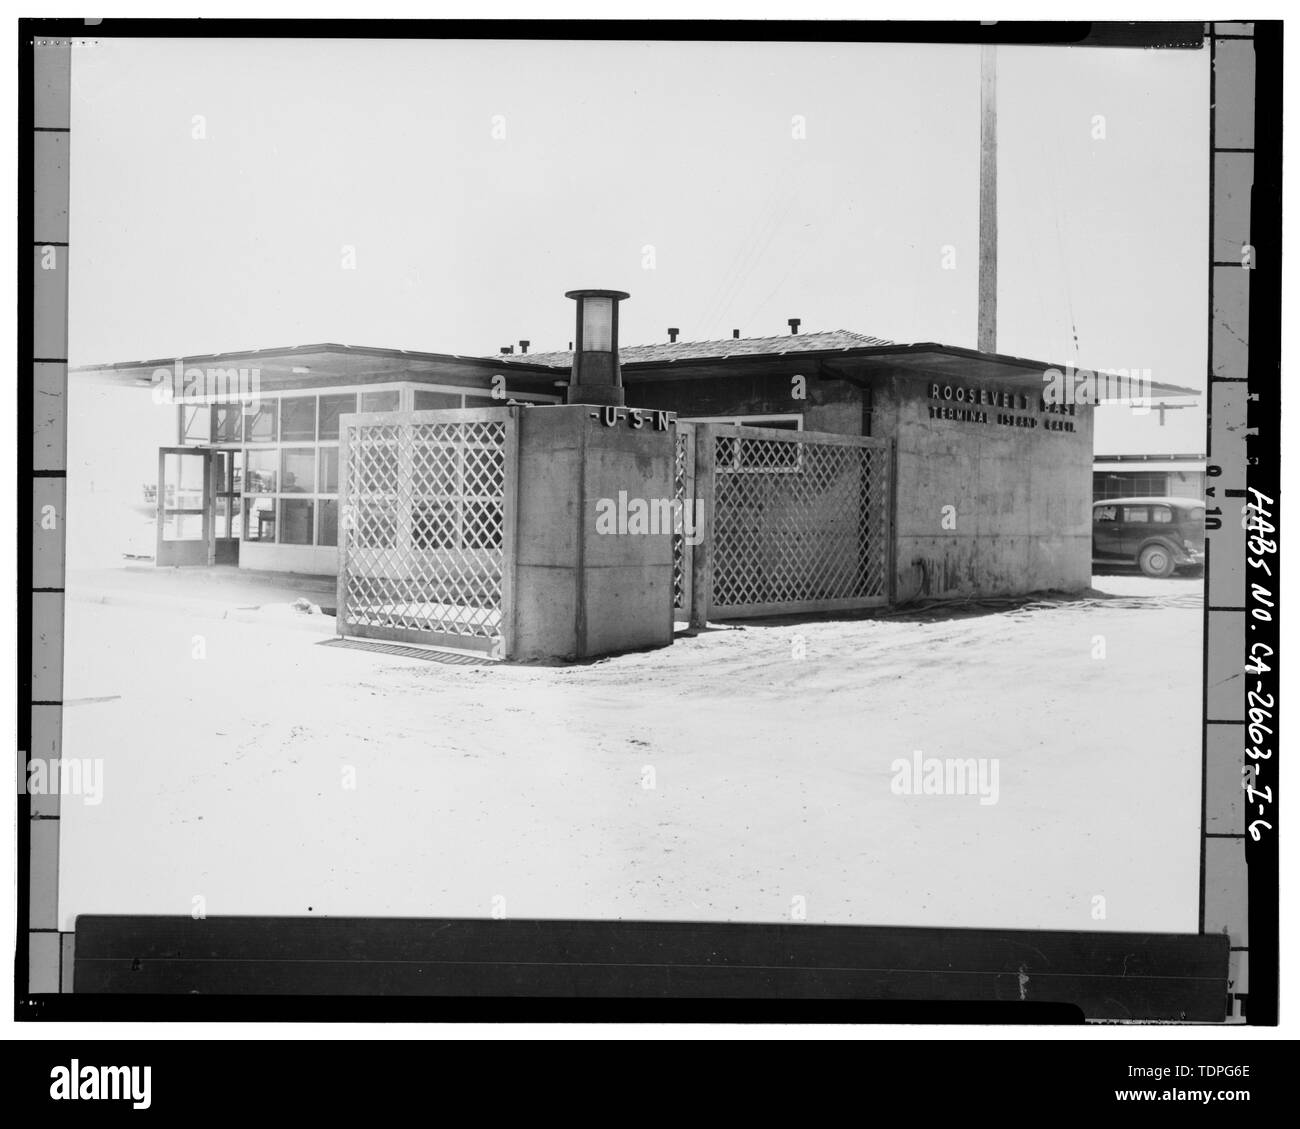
pixel 673 331
pixel 735 333
pixel 506 350
pixel 793 323
pixel 523 346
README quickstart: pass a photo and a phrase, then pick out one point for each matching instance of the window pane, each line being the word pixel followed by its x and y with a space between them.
pixel 226 517
pixel 222 463
pixel 331 407
pixel 183 475
pixel 329 470
pixel 183 527
pixel 229 423
pixel 262 467
pixel 1161 514
pixel 299 471
pixel 597 324
pixel 1104 513
pixel 298 417
pixel 483 402
pixel 329 523
pixel 428 401
pixel 259 422
pixel 259 523
pixel 386 401
pixel 296 522
pixel 1135 514
pixel 196 422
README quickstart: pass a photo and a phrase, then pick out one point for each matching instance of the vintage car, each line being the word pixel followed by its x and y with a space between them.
pixel 1158 535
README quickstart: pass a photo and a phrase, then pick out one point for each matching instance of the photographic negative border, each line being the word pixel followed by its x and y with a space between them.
pixel 1239 854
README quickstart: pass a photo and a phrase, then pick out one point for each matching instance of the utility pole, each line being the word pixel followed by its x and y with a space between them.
pixel 987 324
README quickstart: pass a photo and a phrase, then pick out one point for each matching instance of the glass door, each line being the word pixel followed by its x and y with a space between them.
pixel 227 483
pixel 184 488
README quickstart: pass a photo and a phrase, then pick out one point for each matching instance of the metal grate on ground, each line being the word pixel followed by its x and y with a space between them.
pixel 411 651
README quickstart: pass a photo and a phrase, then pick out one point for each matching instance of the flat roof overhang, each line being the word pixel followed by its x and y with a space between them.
pixel 925 361
pixel 1138 465
pixel 309 366
pixel 950 362
pixel 326 364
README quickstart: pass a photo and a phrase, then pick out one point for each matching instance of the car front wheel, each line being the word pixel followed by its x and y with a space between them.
pixel 1156 560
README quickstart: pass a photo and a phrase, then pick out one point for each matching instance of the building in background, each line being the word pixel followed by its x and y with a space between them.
pixel 1148 476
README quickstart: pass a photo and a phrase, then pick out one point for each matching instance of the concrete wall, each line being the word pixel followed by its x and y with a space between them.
pixel 313 560
pixel 578 592
pixel 1021 495
pixel 827 404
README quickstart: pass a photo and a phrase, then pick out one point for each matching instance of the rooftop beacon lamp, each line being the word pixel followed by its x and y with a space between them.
pixel 596 377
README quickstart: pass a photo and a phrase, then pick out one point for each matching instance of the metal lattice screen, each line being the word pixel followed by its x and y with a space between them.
pixel 422 529
pixel 683 490
pixel 800 523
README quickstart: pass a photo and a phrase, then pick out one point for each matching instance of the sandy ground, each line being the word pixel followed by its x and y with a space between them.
pixel 230 738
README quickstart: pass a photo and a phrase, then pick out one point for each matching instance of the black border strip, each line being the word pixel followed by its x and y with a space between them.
pixel 1165 35
pixel 1263 472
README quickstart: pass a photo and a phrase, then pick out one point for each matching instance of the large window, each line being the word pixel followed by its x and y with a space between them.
pixel 292 476
pixel 428 401
pixel 1132 484
pixel 298 418
pixel 196 423
pixel 259 421
pixel 289 494
pixel 259 519
pixel 298 474
pixel 329 470
pixel 331 407
pixel 227 423
pixel 263 470
pixel 385 400
pixel 296 525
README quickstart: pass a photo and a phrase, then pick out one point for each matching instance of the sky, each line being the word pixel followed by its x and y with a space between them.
pixel 443 195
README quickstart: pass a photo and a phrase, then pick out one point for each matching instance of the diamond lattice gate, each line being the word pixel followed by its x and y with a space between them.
pixel 425 529
pixel 684 495
pixel 800 521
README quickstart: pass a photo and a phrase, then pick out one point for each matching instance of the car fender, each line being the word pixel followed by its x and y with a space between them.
pixel 1177 551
